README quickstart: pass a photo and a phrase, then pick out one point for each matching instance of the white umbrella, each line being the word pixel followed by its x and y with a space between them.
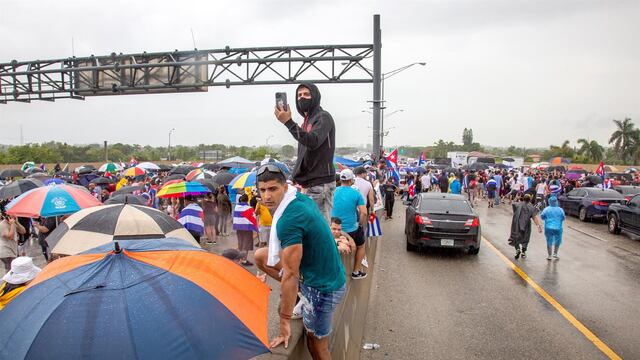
pixel 148 166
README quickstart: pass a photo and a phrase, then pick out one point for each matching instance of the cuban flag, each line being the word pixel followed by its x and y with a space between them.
pixel 393 158
pixel 600 170
pixel 133 162
pixel 373 228
pixel 244 218
pixel 392 165
pixel 191 217
pixel 423 160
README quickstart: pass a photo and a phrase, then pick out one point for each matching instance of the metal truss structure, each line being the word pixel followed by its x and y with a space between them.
pixel 182 71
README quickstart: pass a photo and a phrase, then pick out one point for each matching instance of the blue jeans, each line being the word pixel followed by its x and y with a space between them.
pixel 318 308
pixel 497 196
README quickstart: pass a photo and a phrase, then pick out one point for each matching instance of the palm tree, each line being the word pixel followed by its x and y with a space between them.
pixel 622 138
pixel 591 150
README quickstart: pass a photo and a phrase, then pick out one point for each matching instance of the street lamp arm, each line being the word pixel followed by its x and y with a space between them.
pixel 401 69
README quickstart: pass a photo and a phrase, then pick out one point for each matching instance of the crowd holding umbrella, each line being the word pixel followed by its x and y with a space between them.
pixel 53 200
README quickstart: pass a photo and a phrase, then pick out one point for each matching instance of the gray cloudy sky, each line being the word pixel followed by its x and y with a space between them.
pixel 527 73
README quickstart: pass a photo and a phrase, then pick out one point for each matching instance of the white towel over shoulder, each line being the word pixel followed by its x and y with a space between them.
pixel 274 241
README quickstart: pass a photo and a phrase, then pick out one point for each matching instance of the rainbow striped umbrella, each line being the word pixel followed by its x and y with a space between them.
pixel 242 181
pixel 182 189
pixel 133 172
pixel 144 299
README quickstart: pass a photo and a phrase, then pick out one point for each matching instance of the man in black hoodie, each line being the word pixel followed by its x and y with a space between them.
pixel 314 169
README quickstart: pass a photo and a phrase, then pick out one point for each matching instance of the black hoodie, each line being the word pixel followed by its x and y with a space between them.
pixel 316 143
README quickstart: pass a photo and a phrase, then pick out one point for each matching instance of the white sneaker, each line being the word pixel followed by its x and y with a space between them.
pixel 549 257
pixel 297 311
pixel 555 256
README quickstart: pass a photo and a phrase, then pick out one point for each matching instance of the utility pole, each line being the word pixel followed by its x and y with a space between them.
pixel 377 77
pixel 21 136
pixel 169 147
pixel 106 152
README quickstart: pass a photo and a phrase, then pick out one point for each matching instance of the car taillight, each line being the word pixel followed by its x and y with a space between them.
pixel 423 220
pixel 600 203
pixel 475 222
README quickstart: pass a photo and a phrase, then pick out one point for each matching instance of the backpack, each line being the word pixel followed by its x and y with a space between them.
pixel 491 186
pixel 473 184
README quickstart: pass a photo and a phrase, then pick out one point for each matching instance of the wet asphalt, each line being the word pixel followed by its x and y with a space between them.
pixel 445 304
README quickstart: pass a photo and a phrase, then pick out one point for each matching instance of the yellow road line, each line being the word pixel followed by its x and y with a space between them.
pixel 567 315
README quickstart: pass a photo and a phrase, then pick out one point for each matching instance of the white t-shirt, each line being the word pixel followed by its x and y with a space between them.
pixel 541 189
pixel 426 181
pixel 363 187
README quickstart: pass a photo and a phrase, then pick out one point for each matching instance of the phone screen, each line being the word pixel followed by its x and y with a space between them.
pixel 281 100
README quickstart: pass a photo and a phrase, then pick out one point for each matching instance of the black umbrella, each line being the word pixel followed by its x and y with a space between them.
pixel 127 190
pixel 184 169
pixel 500 166
pixel 164 167
pixel 12 173
pixel 509 159
pixel 212 167
pixel 451 170
pixel 39 176
pixel 19 187
pixel 126 199
pixel 209 184
pixel 478 166
pixel 594 179
pixel 101 181
pixel 63 173
pixel 84 170
pixel 420 170
pixel 223 178
pixel 33 170
pixel 173 177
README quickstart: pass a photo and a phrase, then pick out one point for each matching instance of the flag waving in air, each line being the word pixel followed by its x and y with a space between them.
pixel 423 160
pixel 393 158
pixel 600 170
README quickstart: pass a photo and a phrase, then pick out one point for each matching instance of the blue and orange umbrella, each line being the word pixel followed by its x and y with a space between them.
pixel 148 299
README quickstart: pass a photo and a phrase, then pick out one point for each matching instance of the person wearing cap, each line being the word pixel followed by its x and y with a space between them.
pixel 364 187
pixel 349 207
pixel 16 280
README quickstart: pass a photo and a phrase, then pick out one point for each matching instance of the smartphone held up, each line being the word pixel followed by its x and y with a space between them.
pixel 281 101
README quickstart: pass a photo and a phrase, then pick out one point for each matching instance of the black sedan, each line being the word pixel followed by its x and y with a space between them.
pixel 625 217
pixel 442 220
pixel 628 191
pixel 589 203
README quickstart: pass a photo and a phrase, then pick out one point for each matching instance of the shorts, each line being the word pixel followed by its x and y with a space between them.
pixel 264 233
pixel 358 236
pixel 318 308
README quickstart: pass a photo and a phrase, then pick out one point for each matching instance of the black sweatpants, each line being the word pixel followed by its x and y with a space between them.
pixel 388 205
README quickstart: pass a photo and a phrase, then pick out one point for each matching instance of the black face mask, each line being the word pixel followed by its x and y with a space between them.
pixel 304 104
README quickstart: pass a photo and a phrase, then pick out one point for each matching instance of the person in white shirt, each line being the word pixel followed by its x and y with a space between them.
pixel 426 182
pixel 364 187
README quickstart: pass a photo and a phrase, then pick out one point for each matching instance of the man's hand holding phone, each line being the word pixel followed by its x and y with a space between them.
pixel 282 110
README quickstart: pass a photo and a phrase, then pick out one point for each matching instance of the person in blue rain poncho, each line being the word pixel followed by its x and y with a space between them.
pixel 553 217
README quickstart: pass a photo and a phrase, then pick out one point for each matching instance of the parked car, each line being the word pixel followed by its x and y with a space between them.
pixel 628 191
pixel 619 178
pixel 442 220
pixel 625 216
pixel 589 203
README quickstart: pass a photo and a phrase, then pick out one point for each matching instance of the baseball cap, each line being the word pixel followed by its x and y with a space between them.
pixel 346 174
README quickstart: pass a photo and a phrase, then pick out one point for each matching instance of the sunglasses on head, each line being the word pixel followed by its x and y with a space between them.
pixel 268 167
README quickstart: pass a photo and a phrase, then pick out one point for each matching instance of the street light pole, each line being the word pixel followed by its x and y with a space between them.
pixel 169 147
pixel 384 77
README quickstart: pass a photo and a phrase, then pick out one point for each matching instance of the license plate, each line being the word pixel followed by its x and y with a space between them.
pixel 447 242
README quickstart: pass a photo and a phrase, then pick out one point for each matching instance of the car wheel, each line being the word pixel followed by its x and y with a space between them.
pixel 410 246
pixel 473 250
pixel 613 225
pixel 582 214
